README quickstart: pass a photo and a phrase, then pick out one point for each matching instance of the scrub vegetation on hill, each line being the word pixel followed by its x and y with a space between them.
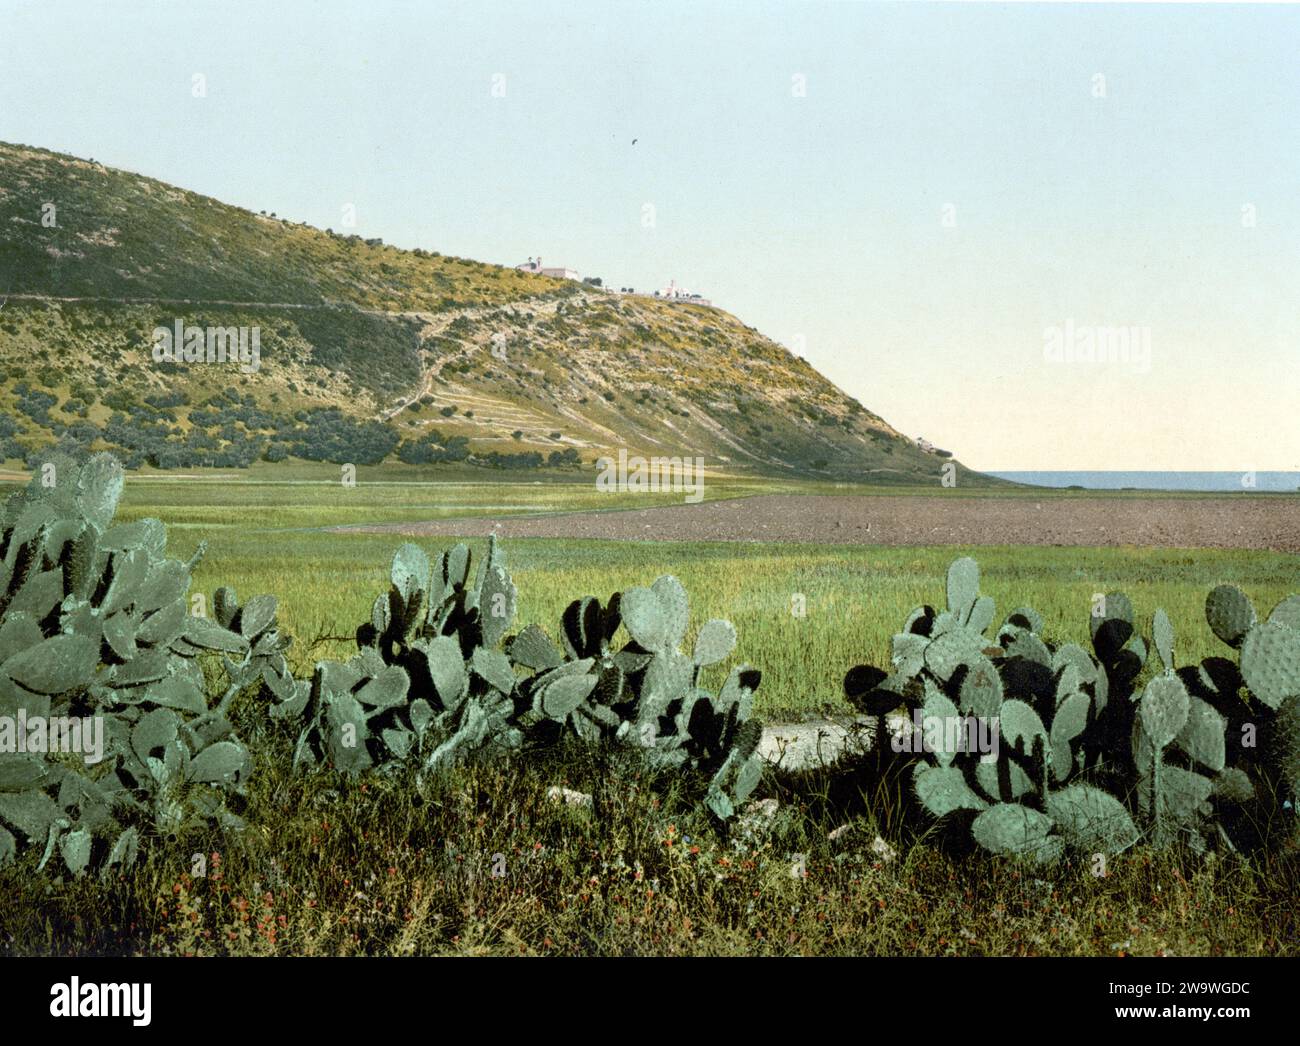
pixel 407 340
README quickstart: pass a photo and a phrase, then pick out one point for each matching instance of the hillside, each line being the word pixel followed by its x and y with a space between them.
pixel 368 351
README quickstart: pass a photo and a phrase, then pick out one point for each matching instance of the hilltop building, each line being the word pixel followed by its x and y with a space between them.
pixel 675 293
pixel 556 272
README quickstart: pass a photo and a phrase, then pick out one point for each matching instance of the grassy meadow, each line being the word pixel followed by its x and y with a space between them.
pixel 268 532
pixel 486 862
pixel 490 865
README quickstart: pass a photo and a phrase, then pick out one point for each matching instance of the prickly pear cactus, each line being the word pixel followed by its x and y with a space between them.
pixel 263 662
pixel 1085 760
pixel 98 647
pixel 1258 700
pixel 428 682
pixel 647 693
pixel 1119 649
pixel 1178 742
pixel 1007 733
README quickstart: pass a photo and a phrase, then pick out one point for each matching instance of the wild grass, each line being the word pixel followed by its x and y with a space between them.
pixel 852 599
pixel 272 535
pixel 487 864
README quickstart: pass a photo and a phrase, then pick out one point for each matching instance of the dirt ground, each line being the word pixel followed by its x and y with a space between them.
pixel 1213 522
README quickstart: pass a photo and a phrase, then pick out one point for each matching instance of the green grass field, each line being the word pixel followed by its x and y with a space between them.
pixel 329 867
pixel 490 866
pixel 266 533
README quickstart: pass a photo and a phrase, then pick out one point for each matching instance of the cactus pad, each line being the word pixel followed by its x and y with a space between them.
pixel 1016 831
pixel 1270 662
pixel 1163 709
pixel 1230 614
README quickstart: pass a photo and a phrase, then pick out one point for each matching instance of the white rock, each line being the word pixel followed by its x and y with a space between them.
pixel 817 743
pixel 756 819
pixel 761 809
pixel 568 796
pixel 883 850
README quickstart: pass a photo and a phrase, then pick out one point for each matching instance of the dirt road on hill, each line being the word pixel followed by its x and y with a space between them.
pixel 1245 521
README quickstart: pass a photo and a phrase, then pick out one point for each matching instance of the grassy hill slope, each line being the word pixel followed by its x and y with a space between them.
pixel 366 348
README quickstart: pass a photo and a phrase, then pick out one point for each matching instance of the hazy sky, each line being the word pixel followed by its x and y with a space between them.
pixel 912 196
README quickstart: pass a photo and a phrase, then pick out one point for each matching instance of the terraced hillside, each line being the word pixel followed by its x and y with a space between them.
pixel 369 352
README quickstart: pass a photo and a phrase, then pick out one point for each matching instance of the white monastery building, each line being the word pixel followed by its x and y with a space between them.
pixel 556 272
pixel 675 293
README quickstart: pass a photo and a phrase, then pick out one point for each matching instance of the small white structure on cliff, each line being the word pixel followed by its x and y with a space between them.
pixel 675 293
pixel 556 272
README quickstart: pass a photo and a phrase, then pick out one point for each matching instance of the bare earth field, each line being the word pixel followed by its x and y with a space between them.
pixel 1242 522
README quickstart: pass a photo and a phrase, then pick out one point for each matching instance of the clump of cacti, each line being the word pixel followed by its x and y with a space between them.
pixel 428 681
pixel 1039 747
pixel 1257 698
pixel 647 693
pixel 95 633
pixel 430 684
pixel 1178 752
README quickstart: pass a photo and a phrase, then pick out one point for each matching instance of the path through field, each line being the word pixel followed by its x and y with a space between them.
pixel 1244 521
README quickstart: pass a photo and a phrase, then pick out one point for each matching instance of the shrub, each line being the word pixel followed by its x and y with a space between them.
pixel 1082 759
pixel 94 626
pixel 434 447
pixel 430 685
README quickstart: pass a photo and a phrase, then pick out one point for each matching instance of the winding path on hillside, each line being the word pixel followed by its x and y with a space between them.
pixel 1233 521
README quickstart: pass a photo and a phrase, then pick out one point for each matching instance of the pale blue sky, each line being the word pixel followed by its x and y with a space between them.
pixel 816 219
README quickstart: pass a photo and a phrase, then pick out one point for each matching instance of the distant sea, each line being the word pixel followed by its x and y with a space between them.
pixel 1207 481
